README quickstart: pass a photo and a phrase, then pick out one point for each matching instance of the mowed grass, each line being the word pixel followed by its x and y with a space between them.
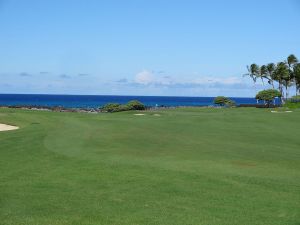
pixel 186 166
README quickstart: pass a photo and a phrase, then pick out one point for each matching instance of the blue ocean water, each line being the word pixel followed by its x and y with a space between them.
pixel 95 101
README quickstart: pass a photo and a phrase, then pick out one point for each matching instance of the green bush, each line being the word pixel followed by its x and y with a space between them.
pixel 116 107
pixel 292 105
pixel 224 101
pixel 135 105
pixel 220 100
pixel 230 103
pixel 295 98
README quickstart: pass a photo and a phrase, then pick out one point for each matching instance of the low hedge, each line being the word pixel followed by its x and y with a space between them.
pixel 116 107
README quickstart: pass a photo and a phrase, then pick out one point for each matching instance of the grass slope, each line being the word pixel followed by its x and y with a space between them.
pixel 187 166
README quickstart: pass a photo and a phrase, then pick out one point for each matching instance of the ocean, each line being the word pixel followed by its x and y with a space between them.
pixel 95 101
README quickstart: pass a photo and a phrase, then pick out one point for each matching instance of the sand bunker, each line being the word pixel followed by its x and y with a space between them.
pixel 156 114
pixel 139 114
pixel 281 111
pixel 5 127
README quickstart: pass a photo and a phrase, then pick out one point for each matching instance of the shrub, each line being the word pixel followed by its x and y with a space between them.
pixel 295 98
pixel 230 103
pixel 292 104
pixel 224 101
pixel 114 107
pixel 135 105
pixel 220 100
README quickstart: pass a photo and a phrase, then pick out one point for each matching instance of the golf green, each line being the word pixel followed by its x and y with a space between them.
pixel 192 166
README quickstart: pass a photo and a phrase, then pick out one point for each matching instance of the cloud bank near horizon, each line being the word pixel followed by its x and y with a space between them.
pixel 146 78
pixel 144 82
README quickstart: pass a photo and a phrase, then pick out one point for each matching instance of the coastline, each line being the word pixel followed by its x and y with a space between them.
pixel 98 110
pixel 89 110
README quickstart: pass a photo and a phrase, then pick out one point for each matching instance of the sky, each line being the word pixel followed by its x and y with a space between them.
pixel 142 47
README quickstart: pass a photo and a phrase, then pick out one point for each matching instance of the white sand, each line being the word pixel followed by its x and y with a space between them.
pixel 281 111
pixel 5 127
pixel 139 114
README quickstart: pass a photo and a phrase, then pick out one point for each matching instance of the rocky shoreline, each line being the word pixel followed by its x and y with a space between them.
pixel 89 110
pixel 53 108
pixel 98 110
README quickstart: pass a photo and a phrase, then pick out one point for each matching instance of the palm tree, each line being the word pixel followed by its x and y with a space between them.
pixel 253 72
pixel 270 69
pixel 282 76
pixel 287 82
pixel 263 74
pixel 291 61
pixel 296 70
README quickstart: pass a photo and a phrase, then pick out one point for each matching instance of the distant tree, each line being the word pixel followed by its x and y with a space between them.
pixel 220 100
pixel 135 105
pixel 296 71
pixel 282 76
pixel 291 60
pixel 223 101
pixel 253 72
pixel 263 73
pixel 268 96
pixel 286 74
pixel 270 70
pixel 230 103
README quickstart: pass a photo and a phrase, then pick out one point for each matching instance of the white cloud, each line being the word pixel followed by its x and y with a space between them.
pixel 146 82
pixel 220 80
pixel 150 82
pixel 145 77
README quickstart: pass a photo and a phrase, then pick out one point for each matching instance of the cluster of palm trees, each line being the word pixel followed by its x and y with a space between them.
pixel 283 75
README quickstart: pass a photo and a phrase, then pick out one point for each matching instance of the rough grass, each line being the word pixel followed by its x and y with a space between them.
pixel 186 166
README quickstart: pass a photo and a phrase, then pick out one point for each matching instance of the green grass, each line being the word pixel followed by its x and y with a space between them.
pixel 187 166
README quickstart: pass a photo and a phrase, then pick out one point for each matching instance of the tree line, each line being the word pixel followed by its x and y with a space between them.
pixel 282 75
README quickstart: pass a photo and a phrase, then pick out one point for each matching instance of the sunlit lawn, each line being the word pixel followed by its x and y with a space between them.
pixel 186 166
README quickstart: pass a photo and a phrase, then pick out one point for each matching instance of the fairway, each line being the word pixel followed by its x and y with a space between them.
pixel 190 166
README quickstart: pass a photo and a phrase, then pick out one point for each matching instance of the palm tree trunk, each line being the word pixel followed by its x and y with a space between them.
pixel 254 85
pixel 281 91
pixel 262 80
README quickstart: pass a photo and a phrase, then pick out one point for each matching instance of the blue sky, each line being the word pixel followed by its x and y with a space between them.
pixel 142 47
